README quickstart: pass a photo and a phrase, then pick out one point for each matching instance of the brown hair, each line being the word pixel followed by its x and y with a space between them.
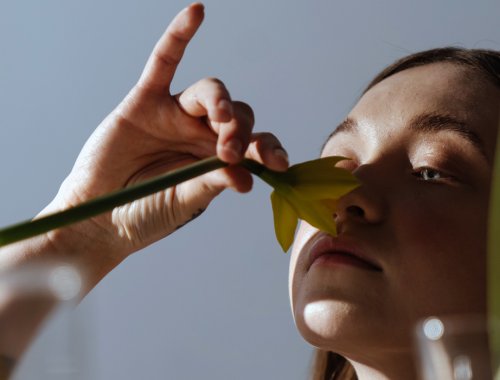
pixel 331 366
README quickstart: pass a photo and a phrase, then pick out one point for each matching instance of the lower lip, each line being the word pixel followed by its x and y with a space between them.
pixel 342 259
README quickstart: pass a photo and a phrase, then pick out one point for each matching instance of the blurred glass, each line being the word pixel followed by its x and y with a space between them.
pixel 454 348
pixel 59 350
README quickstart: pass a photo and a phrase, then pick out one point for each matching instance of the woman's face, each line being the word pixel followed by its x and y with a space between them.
pixel 422 144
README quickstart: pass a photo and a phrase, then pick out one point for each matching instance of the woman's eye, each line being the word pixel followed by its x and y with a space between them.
pixel 428 174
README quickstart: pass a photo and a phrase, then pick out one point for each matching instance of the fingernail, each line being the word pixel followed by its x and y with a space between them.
pixel 225 106
pixel 281 154
pixel 234 148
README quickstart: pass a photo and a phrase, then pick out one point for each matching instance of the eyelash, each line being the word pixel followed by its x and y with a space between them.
pixel 423 175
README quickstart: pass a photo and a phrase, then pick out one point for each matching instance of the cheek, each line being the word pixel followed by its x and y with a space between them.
pixel 442 264
pixel 438 219
pixel 297 261
pixel 444 225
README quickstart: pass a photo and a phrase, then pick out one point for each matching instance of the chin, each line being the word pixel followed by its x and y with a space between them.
pixel 327 324
pixel 345 328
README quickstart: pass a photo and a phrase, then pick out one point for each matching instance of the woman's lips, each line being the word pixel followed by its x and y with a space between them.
pixel 327 250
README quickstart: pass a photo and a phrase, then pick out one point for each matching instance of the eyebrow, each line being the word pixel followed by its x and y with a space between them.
pixel 433 122
pixel 428 122
pixel 348 125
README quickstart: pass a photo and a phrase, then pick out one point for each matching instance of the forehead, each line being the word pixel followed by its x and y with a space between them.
pixel 439 88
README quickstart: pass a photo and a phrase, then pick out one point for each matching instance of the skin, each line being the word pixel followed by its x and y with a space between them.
pixel 413 226
pixel 150 132
pixel 426 229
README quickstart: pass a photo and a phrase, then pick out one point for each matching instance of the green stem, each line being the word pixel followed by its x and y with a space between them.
pixel 107 202
pixel 267 175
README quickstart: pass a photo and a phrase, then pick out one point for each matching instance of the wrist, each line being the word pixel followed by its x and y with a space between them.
pixel 89 251
pixel 86 245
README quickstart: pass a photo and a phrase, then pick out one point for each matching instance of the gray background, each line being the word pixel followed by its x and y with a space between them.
pixel 211 301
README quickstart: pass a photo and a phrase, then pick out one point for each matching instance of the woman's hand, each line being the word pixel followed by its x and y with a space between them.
pixel 150 132
pixel 153 131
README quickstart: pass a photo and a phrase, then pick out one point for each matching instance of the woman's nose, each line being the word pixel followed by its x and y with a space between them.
pixel 366 203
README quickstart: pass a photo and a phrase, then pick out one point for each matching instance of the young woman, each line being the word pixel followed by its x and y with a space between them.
pixel 422 142
pixel 411 237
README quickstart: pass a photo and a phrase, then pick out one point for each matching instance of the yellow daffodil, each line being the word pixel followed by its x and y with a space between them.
pixel 307 191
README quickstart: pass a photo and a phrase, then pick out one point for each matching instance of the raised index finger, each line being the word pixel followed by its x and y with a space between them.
pixel 168 51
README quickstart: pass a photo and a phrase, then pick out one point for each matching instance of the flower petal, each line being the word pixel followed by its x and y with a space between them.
pixel 285 220
pixel 319 214
pixel 320 179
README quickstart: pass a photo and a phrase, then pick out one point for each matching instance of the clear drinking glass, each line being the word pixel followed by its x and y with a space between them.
pixel 59 351
pixel 454 348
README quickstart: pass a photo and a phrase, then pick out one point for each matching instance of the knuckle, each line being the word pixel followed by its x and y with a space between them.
pixel 167 59
pixel 214 81
pixel 212 88
pixel 268 136
pixel 254 150
pixel 266 139
pixel 179 35
pixel 245 110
